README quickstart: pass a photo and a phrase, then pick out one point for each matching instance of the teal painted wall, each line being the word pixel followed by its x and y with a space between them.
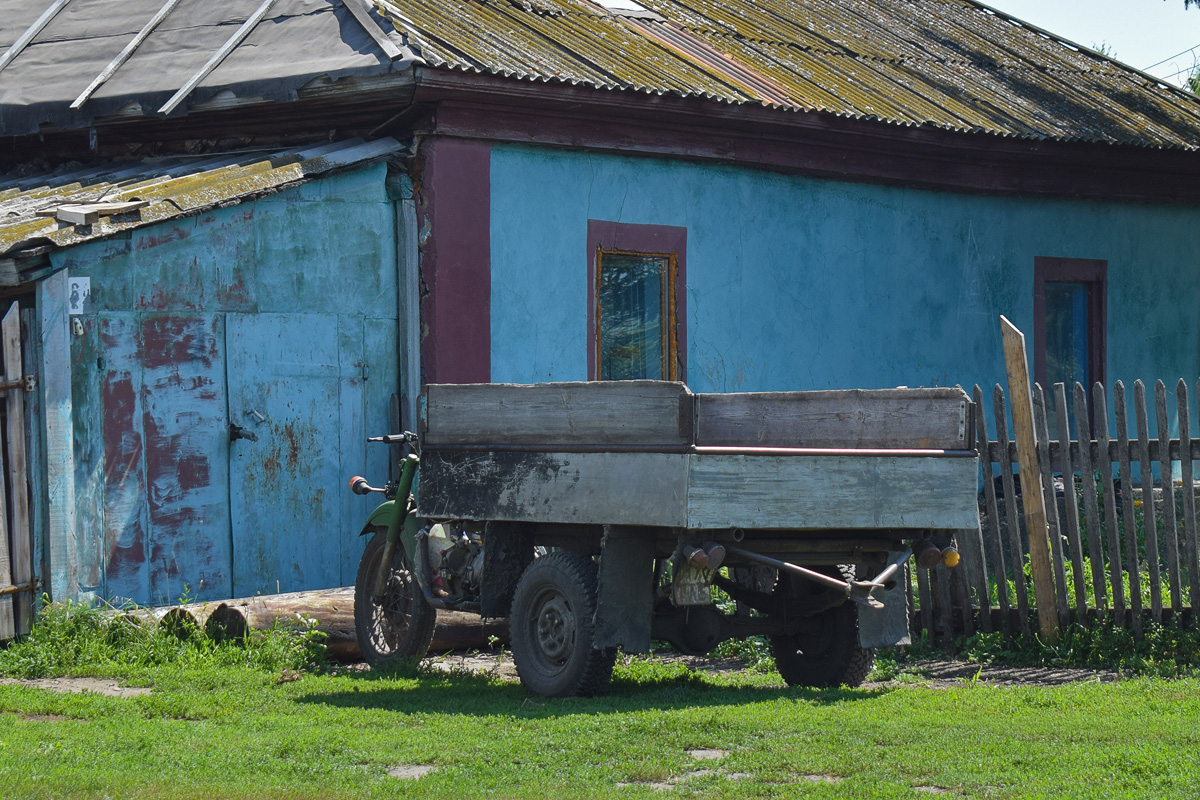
pixel 278 315
pixel 797 283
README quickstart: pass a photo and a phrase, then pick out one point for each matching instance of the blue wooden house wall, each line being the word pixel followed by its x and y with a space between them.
pixel 803 283
pixel 278 315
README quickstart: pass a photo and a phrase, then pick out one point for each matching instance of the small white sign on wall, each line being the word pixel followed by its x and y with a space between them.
pixel 79 295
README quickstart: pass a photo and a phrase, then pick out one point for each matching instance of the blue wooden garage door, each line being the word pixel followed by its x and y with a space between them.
pixel 295 383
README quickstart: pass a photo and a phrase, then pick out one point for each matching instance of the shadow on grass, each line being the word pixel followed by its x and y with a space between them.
pixel 482 695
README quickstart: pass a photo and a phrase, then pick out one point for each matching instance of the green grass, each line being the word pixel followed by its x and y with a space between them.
pixel 217 726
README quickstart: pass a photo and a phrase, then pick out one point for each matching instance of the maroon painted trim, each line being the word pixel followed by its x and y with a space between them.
pixel 454 209
pixel 812 143
pixel 1092 271
pixel 635 238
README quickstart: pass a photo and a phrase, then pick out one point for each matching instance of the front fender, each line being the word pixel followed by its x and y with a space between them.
pixel 381 518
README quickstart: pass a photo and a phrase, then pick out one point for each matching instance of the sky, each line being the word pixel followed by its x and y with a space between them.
pixel 1142 32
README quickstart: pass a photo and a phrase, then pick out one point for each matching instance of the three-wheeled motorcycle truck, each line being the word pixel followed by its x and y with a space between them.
pixel 601 515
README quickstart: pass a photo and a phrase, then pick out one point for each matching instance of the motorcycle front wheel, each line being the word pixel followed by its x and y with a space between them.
pixel 400 626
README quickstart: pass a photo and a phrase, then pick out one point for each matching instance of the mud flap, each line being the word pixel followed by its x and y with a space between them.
pixel 885 626
pixel 625 597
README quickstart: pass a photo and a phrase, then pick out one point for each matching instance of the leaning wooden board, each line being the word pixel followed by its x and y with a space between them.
pixel 655 454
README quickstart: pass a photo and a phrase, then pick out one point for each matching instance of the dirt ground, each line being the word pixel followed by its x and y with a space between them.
pixel 104 686
pixel 929 673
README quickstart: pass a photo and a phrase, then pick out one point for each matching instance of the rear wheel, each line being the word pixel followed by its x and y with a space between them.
pixel 400 626
pixel 826 652
pixel 553 628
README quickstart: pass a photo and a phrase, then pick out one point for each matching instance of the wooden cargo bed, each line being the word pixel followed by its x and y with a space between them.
pixel 652 453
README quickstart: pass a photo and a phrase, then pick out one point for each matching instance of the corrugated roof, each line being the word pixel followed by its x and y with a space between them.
pixel 294 43
pixel 952 64
pixel 30 207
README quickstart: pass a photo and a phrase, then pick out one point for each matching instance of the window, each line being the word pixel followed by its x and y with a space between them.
pixel 1069 325
pixel 636 302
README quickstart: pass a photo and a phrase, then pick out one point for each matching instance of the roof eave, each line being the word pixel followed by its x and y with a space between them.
pixel 817 143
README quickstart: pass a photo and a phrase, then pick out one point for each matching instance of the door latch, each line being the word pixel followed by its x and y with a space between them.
pixel 238 432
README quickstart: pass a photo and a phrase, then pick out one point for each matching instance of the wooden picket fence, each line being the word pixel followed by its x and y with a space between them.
pixel 17 589
pixel 1123 551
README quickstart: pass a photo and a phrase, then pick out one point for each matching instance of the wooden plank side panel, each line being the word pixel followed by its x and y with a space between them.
pixel 1091 507
pixel 565 488
pixel 87 421
pixel 817 492
pixel 935 419
pixel 1190 544
pixel 925 598
pixel 8 618
pixel 35 448
pixel 991 535
pixel 1170 523
pixel 1017 366
pixel 126 529
pixel 1109 494
pixel 53 332
pixel 18 472
pixel 185 423
pixel 1071 523
pixel 1016 552
pixel 1042 445
pixel 644 414
pixel 1127 516
pixel 1147 475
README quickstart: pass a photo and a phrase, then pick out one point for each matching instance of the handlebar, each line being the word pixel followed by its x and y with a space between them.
pixel 407 437
pixel 359 485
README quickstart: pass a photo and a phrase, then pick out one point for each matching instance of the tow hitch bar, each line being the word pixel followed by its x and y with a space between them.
pixel 858 591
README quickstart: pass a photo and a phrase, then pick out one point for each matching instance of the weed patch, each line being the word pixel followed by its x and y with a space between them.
pixel 75 639
pixel 1164 651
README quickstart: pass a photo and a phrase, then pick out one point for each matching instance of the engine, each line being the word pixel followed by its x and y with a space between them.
pixel 455 561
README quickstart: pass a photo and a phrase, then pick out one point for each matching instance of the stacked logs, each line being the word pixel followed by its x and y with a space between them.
pixel 331 611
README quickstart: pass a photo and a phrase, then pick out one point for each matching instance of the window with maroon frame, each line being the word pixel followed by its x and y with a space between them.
pixel 1069 308
pixel 636 302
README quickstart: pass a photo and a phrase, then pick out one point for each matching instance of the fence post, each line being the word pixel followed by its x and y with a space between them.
pixel 1017 365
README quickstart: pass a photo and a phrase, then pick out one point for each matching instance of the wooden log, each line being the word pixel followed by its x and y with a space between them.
pixel 332 610
pixel 458 630
pixel 179 620
pixel 992 535
pixel 1071 525
pixel 1170 523
pixel 18 472
pixel 1131 549
pixel 1017 366
pixel 1192 551
pixel 1144 464
pixel 1091 507
pixel 1016 552
pixel 1109 492
pixel 1046 473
